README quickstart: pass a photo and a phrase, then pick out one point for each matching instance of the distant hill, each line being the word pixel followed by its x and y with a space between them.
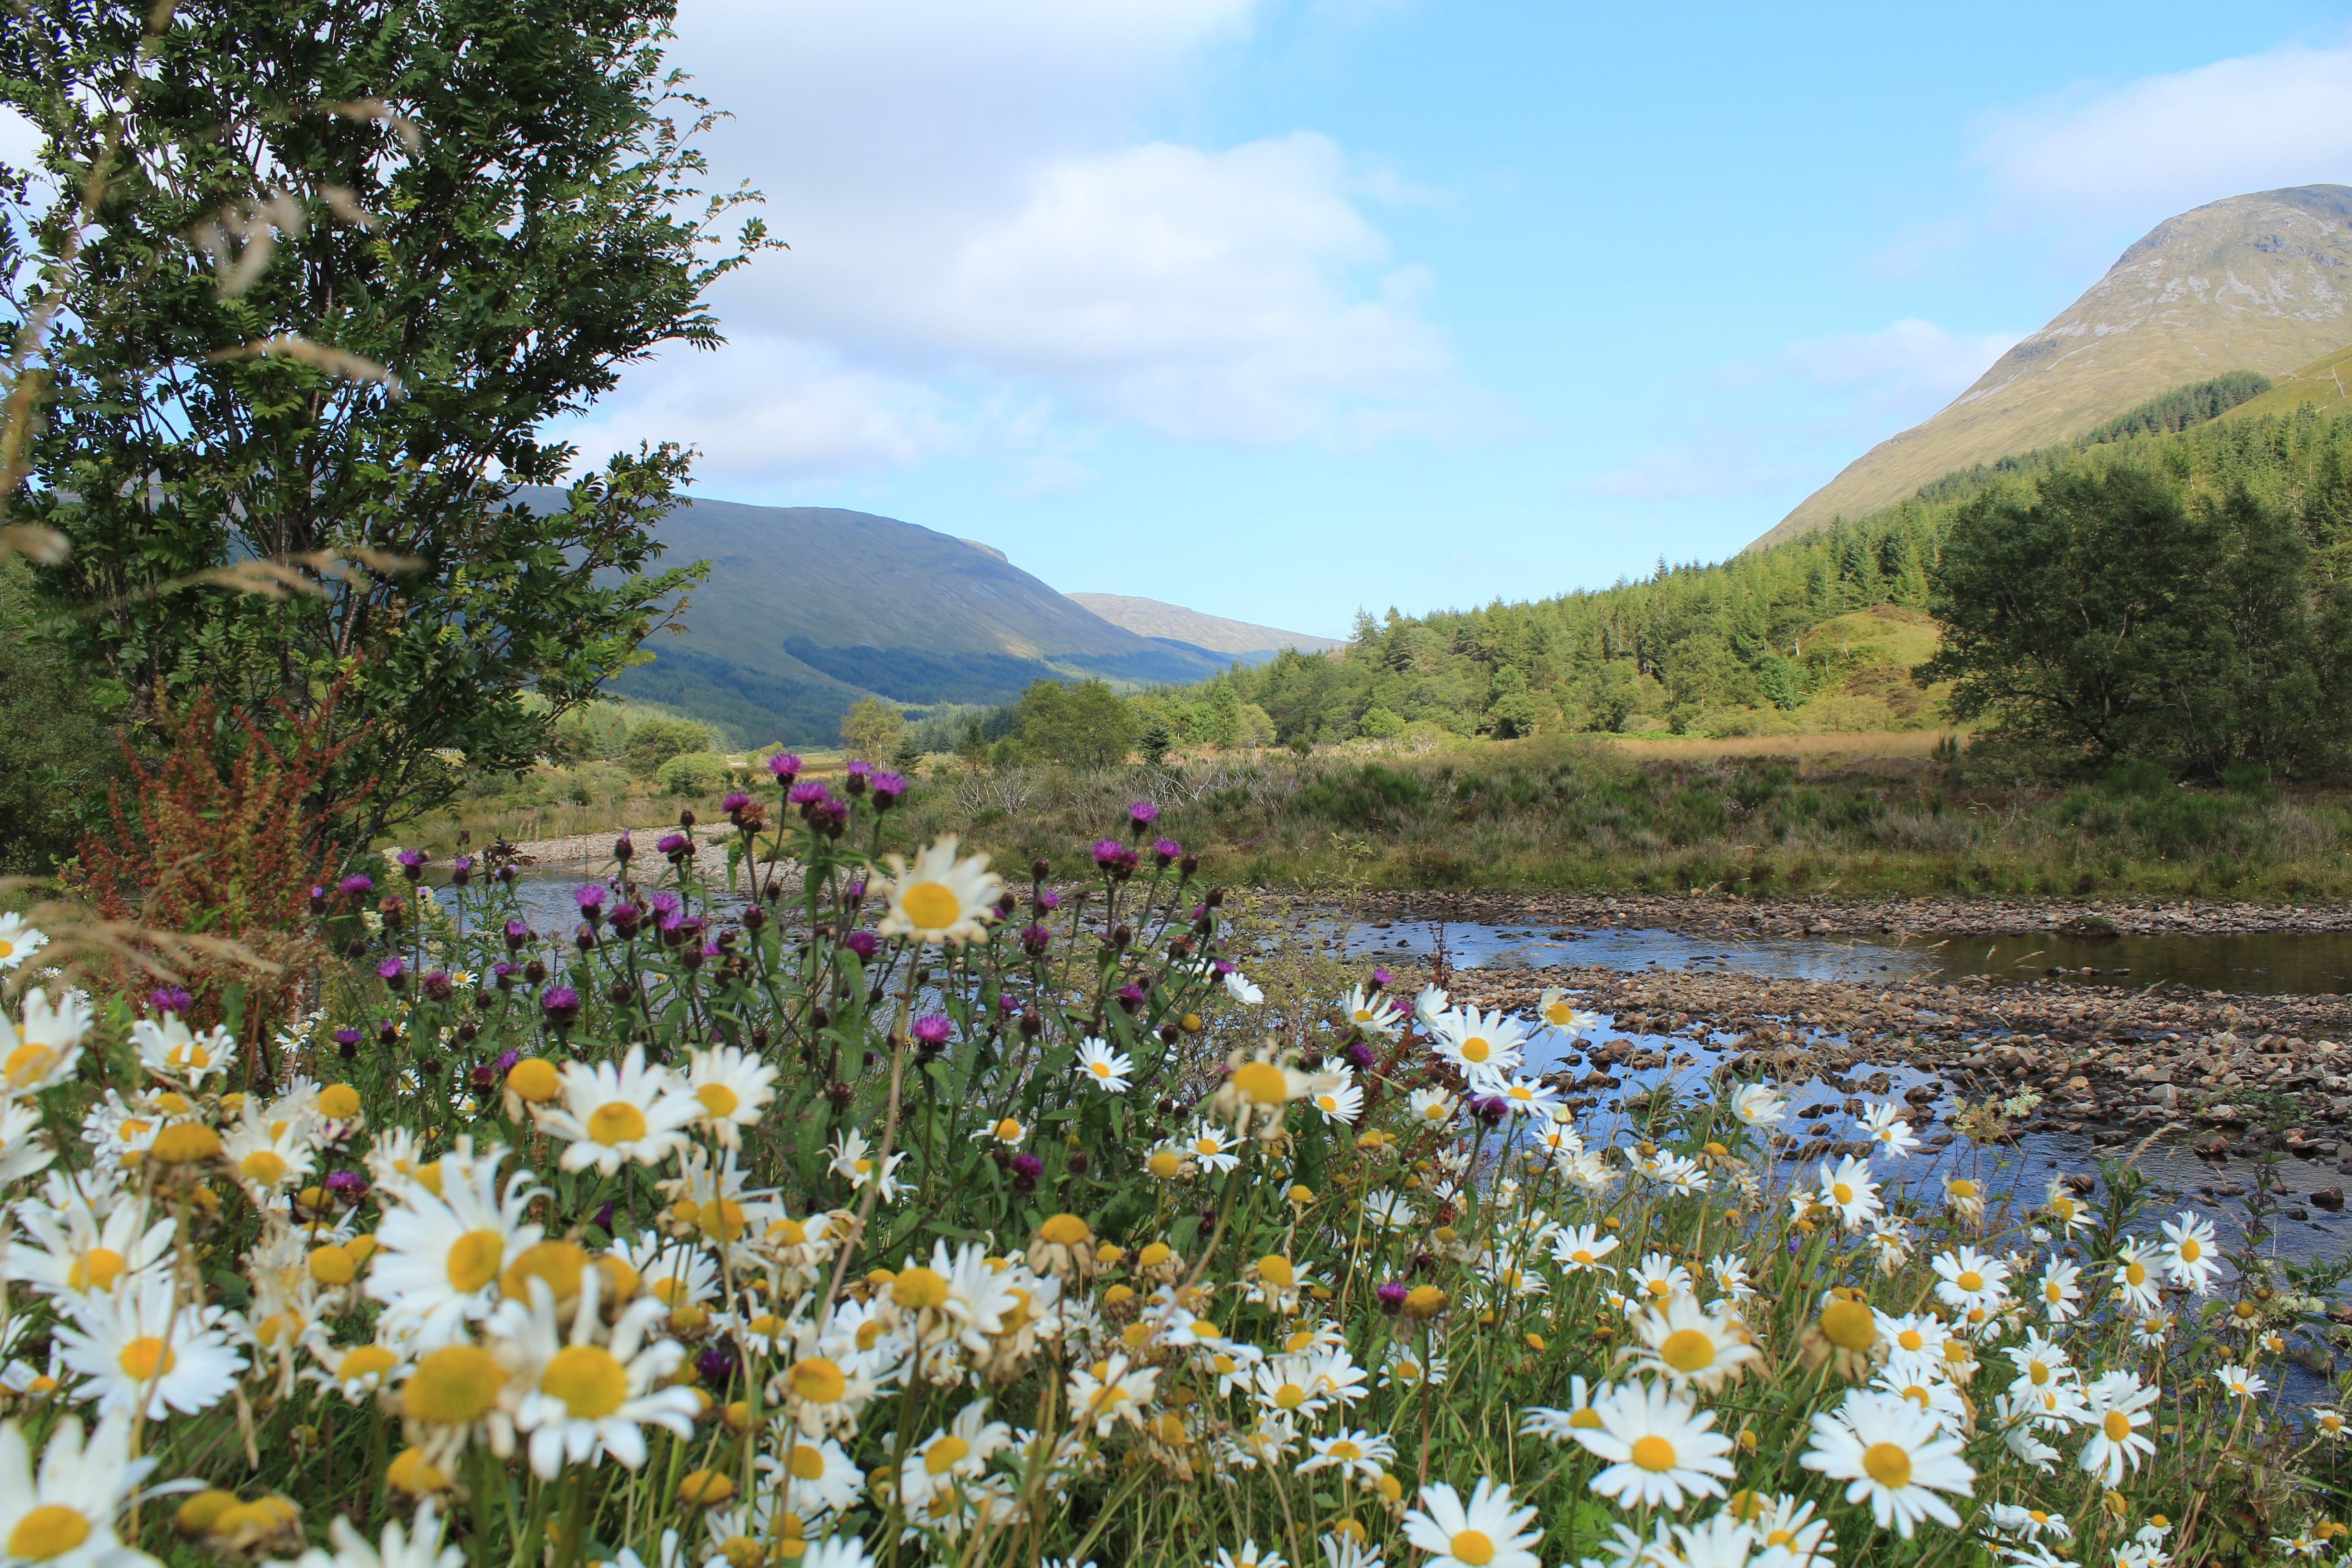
pixel 808 608
pixel 2259 282
pixel 1173 623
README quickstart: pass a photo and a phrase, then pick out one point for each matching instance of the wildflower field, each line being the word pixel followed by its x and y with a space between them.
pixel 915 1215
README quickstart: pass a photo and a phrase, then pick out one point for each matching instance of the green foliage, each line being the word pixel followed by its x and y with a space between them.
pixel 60 747
pixel 349 258
pixel 1155 742
pixel 2182 407
pixel 2110 615
pixel 656 740
pixel 872 728
pixel 1083 723
pixel 693 773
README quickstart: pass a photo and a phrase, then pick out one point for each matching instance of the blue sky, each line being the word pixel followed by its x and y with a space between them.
pixel 1282 310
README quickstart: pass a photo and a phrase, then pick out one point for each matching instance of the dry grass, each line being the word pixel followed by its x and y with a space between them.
pixel 1803 748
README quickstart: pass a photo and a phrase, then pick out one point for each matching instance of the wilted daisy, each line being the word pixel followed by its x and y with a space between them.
pixel 1660 1447
pixel 1849 1190
pixel 1896 1455
pixel 1109 1392
pixel 1103 1066
pixel 1485 1532
pixel 734 1087
pixel 854 1162
pixel 1964 1198
pixel 65 1514
pixel 2062 1208
pixel 2189 1258
pixel 614 1115
pixel 939 900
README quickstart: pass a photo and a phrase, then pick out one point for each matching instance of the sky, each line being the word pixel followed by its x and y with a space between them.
pixel 1280 311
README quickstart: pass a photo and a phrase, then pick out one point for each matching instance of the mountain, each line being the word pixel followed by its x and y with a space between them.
pixel 2325 384
pixel 2259 282
pixel 809 608
pixel 1173 623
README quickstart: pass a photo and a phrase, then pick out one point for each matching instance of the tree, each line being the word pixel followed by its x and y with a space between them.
pixel 321 272
pixel 1084 723
pixel 2106 614
pixel 656 740
pixel 1156 741
pixel 872 728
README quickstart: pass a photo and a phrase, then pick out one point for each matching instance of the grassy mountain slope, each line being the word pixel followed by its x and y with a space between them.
pixel 1174 623
pixel 807 608
pixel 2325 384
pixel 2258 282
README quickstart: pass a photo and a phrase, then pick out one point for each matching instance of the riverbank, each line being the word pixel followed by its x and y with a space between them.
pixel 1825 915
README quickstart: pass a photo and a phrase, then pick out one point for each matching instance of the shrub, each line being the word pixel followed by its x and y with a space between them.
pixel 694 772
pixel 656 740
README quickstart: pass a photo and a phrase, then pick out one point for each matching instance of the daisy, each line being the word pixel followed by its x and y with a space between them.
pixel 1658 1279
pixel 2115 1408
pixel 1888 1132
pixel 939 900
pixel 1372 1013
pixel 1390 1211
pixel 1759 1105
pixel 853 1162
pixel 1109 1392
pixel 1210 1145
pixel 1359 1455
pixel 1485 1046
pixel 2042 1364
pixel 952 1457
pixel 613 1115
pixel 1691 1344
pixel 1787 1523
pixel 1916 1381
pixel 72 1250
pixel 2062 1296
pixel 1008 1132
pixel 1658 1445
pixel 169 1050
pixel 584 1399
pixel 1583 1247
pixel 2189 1260
pixel 1730 1276
pixel 1249 1556
pixel 1527 1096
pixel 1849 1190
pixel 1486 1532
pixel 1402 1369
pixel 439 1256
pixel 734 1087
pixel 1558 1425
pixel 1432 1107
pixel 1238 986
pixel 1103 1066
pixel 2060 1204
pixel 1969 1279
pixel 360 1372
pixel 18 940
pixel 269 1164
pixel 67 1513
pixel 2135 1276
pixel 1964 1198
pixel 141 1348
pixel 49 1048
pixel 419 1549
pixel 1342 1101
pixel 1896 1456
pixel 2243 1383
pixel 1428 1003
pixel 1556 1010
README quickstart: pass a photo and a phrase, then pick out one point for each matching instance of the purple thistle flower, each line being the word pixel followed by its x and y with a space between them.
pixel 348 1186
pixel 1361 1055
pixel 623 846
pixel 626 918
pixel 503 972
pixel 518 933
pixel 714 1364
pixel 1221 968
pixel 862 943
pixel 392 972
pixel 736 801
pixel 887 788
pixel 1166 851
pixel 1142 815
pixel 1028 1165
pixel 507 1060
pixel 1493 1108
pixel 356 886
pixel 591 899
pixel 411 864
pixel 1035 940
pixel 1106 852
pixel 931 1030
pixel 561 1003
pixel 171 999
pixel 809 792
pixel 1007 1004
pixel 855 891
pixel 674 845
pixel 1123 864
pixel 462 864
pixel 1381 979
pixel 1130 996
pixel 318 899
pixel 1390 1294
pixel 665 903
pixel 1046 898
pixel 347 1037
pixel 855 776
pixel 784 766
pixel 438 987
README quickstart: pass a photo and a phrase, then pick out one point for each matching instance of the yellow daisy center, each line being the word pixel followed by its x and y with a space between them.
pixel 474 1259
pixel 97 1269
pixel 589 1379
pixel 49 1531
pixel 1653 1453
pixel 930 906
pixel 1261 1081
pixel 1290 1396
pixel 1686 1349
pixel 944 1453
pixel 1970 1280
pixel 619 1122
pixel 1472 1547
pixel 808 1462
pixel 919 1290
pixel 1477 1049
pixel 718 1099
pixel 366 1361
pixel 2190 1251
pixel 816 1380
pixel 2117 1425
pixel 453 1387
pixel 1850 1326
pixel 1842 1193
pixel 1887 1465
pixel 147 1357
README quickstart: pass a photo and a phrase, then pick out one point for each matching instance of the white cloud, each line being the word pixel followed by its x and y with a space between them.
pixel 2148 148
pixel 1672 473
pixel 975 225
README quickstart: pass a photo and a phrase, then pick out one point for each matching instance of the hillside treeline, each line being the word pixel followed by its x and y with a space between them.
pixel 1827 627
